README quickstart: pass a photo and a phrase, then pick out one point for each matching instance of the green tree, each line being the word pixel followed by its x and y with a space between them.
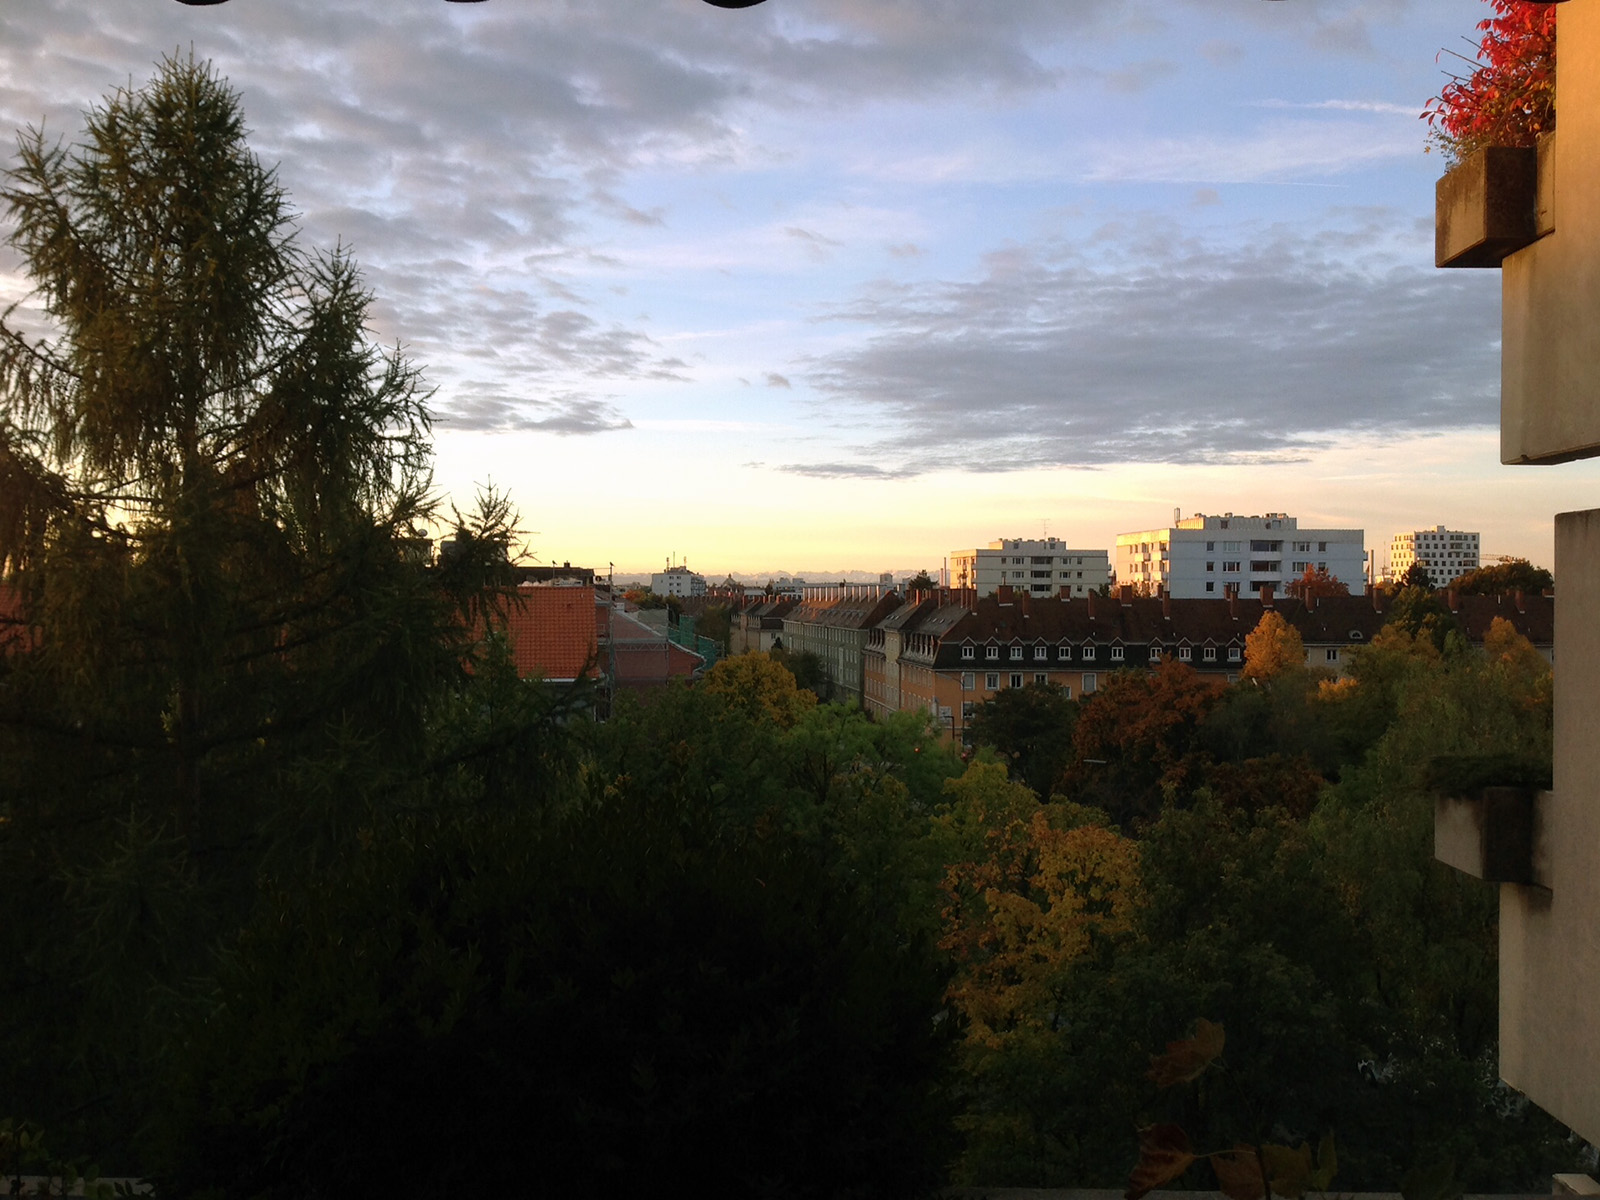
pixel 1030 728
pixel 1512 575
pixel 211 489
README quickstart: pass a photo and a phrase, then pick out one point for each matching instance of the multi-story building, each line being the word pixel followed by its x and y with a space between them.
pixel 678 581
pixel 1214 556
pixel 1446 553
pixel 947 653
pixel 1039 566
pixel 832 622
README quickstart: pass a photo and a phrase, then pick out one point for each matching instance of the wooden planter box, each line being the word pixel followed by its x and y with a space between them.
pixel 1491 833
pixel 1488 207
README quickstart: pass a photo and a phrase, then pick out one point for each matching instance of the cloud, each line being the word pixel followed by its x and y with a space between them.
pixel 1280 151
pixel 845 470
pixel 1371 106
pixel 562 415
pixel 1166 349
pixel 775 380
pixel 905 250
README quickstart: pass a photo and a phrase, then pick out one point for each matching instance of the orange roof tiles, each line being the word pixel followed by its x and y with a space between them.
pixel 552 631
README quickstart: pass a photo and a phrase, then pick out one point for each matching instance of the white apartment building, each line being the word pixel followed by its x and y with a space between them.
pixel 678 581
pixel 1039 566
pixel 1207 555
pixel 1446 553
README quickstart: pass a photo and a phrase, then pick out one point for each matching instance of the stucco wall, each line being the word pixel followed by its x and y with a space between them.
pixel 1550 939
pixel 1550 361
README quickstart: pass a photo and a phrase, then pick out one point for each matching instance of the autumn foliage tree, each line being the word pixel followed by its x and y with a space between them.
pixel 1133 737
pixel 1271 648
pixel 1315 584
pixel 1509 96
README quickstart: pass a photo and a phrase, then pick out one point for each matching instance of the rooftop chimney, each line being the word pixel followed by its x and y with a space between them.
pixel 1166 604
pixel 1125 593
pixel 1093 596
pixel 1233 603
pixel 1266 595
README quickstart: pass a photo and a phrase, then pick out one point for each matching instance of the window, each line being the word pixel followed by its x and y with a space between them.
pixel 1088 652
pixel 1066 691
pixel 991 681
pixel 1230 547
pixel 1210 587
pixel 1016 679
pixel 1185 653
pixel 1155 652
pixel 1211 566
pixel 1210 546
pixel 967 709
pixel 1041 678
pixel 1231 567
pixel 1041 652
pixel 1016 653
pixel 991 651
pixel 1300 567
pixel 1333 654
pixel 1322 547
pixel 1088 684
pixel 1322 566
pixel 966 681
pixel 968 652
pixel 1233 654
pixel 1209 654
pixel 1116 654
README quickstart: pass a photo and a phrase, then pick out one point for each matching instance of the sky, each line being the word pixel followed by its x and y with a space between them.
pixel 830 286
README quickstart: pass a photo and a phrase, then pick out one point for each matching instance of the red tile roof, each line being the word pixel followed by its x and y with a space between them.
pixel 551 630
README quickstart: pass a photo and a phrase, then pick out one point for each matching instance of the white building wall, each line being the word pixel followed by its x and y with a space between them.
pixel 678 581
pixel 1039 566
pixel 1446 553
pixel 1206 555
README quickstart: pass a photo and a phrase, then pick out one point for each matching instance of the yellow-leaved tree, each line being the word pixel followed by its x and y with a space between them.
pixel 762 688
pixel 1038 885
pixel 1272 647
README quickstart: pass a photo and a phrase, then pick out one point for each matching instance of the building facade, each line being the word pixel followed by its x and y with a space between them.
pixel 1549 954
pixel 1039 566
pixel 1447 554
pixel 832 623
pixel 678 581
pixel 1208 556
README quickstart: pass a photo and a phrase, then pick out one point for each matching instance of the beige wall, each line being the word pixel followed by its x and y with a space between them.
pixel 1550 938
pixel 1550 362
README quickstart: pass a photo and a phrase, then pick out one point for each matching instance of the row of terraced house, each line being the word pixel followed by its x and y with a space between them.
pixel 948 650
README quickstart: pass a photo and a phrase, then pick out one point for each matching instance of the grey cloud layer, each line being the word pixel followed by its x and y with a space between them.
pixel 462 153
pixel 1183 353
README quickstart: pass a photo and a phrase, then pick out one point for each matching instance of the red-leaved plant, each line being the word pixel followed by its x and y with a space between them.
pixel 1510 96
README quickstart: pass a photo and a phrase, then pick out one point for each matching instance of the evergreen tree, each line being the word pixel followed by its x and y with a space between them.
pixel 210 487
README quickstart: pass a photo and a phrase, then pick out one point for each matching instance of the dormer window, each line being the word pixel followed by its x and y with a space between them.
pixel 1210 654
pixel 1088 651
pixel 1041 652
pixel 1016 653
pixel 1185 653
pixel 1064 650
pixel 991 652
pixel 969 652
pixel 1233 654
